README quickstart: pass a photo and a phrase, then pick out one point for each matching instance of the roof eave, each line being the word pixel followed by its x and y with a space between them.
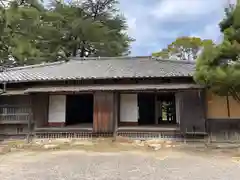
pixel 93 78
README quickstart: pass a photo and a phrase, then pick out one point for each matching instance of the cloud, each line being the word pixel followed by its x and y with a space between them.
pixel 156 23
pixel 132 26
pixel 210 31
pixel 185 10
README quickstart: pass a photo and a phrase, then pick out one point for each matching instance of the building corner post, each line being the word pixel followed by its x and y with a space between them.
pixel 115 115
pixel 29 134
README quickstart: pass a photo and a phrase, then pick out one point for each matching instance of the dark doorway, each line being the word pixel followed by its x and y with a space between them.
pixel 166 109
pixel 79 109
pixel 156 108
pixel 146 105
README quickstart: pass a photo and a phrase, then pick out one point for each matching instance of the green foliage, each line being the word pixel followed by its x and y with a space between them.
pixel 93 28
pixel 31 33
pixel 218 67
pixel 183 48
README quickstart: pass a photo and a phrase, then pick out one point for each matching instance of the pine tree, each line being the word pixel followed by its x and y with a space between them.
pixel 31 33
pixel 219 66
pixel 183 48
pixel 94 28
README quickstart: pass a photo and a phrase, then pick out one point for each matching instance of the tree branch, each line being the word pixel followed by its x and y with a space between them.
pixel 4 6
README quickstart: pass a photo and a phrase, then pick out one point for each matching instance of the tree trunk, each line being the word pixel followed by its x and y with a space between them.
pixel 75 48
pixel 74 53
pixel 83 49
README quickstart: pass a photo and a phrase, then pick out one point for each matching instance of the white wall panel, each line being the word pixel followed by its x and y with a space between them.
pixel 57 108
pixel 128 108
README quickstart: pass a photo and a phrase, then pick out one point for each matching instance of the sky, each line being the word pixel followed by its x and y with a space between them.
pixel 156 23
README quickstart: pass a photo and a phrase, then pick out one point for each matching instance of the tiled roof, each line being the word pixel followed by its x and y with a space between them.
pixel 103 68
pixel 127 87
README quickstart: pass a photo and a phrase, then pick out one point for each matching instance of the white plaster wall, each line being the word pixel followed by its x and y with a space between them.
pixel 128 108
pixel 57 108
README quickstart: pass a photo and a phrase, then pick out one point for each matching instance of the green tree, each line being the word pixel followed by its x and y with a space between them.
pixel 183 48
pixel 218 67
pixel 30 33
pixel 4 39
pixel 25 33
pixel 94 28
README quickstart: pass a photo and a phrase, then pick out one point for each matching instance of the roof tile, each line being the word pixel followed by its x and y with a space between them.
pixel 105 68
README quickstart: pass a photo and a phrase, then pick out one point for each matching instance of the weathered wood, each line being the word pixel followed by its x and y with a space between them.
pixel 150 80
pixel 222 107
pixel 15 114
pixel 224 130
pixel 192 118
pixel 153 128
pixel 216 106
pixel 30 128
pixel 103 112
pixel 115 113
pixel 234 107
pixel 228 109
pixel 40 109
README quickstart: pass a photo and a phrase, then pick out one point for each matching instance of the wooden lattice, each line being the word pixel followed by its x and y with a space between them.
pixel 149 135
pixel 60 135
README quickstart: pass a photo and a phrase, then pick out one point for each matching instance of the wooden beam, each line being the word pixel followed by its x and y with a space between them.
pixel 228 108
pixel 115 114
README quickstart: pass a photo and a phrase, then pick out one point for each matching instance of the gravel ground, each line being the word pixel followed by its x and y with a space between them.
pixel 79 165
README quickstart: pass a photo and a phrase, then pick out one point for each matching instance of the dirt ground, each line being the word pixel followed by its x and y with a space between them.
pixel 167 164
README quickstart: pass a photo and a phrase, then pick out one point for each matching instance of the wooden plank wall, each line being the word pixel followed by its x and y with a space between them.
pixel 14 108
pixel 216 106
pixel 40 109
pixel 15 113
pixel 192 111
pixel 234 108
pixel 103 120
pixel 219 108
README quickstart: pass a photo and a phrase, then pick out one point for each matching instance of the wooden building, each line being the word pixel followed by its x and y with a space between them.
pixel 138 97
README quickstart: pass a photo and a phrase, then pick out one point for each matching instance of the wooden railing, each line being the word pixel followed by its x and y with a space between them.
pixel 16 114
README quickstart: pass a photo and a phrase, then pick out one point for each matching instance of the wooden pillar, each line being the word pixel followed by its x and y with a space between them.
pixel 115 114
pixel 178 107
pixel 228 109
pixel 156 110
pixel 103 121
pixel 30 120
